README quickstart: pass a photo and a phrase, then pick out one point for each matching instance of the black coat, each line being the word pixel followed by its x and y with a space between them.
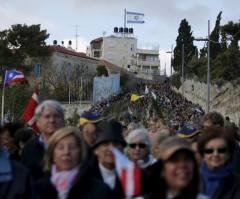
pixel 20 187
pixel 32 157
pixel 84 187
pixel 229 188
pixel 117 191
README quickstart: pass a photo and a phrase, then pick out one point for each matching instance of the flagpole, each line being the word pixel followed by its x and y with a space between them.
pixel 124 25
pixel 3 92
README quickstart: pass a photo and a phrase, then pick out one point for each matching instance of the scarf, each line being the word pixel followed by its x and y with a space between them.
pixel 5 167
pixel 213 178
pixel 63 180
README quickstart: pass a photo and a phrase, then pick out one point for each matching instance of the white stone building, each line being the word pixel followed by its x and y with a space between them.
pixel 122 50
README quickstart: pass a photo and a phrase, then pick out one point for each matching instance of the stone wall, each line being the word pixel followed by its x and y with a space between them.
pixel 224 99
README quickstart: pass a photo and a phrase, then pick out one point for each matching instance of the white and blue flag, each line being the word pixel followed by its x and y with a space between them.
pixel 134 17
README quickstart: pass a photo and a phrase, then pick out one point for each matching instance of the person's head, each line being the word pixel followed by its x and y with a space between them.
pixel 22 136
pixel 160 137
pixel 110 135
pixel 153 124
pixel 7 133
pixel 212 119
pixel 49 117
pixel 215 148
pixel 64 150
pixel 138 144
pixel 180 170
pixel 88 121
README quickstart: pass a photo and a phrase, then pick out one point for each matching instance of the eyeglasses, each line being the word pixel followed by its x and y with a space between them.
pixel 140 145
pixel 218 150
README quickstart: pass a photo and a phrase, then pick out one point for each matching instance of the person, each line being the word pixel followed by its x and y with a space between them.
pixel 7 133
pixel 49 117
pixel 138 147
pixel 176 176
pixel 217 175
pixel 22 136
pixel 153 126
pixel 66 176
pixel 110 135
pixel 212 119
pixel 15 179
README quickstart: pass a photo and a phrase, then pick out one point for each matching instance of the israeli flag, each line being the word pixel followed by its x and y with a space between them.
pixel 134 17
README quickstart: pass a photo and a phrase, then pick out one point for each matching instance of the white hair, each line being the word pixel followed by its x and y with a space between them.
pixel 139 133
pixel 49 103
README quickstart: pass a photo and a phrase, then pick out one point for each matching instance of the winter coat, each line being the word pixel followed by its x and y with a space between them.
pixel 20 186
pixel 84 187
pixel 229 188
pixel 32 157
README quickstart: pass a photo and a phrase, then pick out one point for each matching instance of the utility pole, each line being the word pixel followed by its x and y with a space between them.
pixel 208 67
pixel 208 71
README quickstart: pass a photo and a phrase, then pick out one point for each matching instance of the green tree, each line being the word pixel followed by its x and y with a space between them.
pixel 215 47
pixel 20 42
pixel 232 31
pixel 184 37
pixel 227 65
pixel 101 70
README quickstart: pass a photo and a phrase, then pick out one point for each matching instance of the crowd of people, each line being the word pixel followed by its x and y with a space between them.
pixel 193 161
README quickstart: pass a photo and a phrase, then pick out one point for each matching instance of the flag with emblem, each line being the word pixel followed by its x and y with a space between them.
pixel 134 17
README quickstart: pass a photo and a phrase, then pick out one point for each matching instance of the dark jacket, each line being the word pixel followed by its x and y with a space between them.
pixel 84 187
pixel 20 187
pixel 117 191
pixel 32 157
pixel 229 188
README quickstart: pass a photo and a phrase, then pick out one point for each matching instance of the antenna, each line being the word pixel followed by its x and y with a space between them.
pixel 76 36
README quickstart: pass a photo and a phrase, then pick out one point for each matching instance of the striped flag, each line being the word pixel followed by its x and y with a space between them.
pixel 129 174
pixel 29 111
pixel 14 76
pixel 134 17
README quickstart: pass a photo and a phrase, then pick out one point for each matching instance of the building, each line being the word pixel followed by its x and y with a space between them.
pixel 121 49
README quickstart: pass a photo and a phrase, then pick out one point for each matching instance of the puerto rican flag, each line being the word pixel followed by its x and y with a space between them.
pixel 14 76
pixel 29 111
pixel 129 174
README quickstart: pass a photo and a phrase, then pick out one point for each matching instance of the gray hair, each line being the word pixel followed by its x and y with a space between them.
pixel 49 103
pixel 139 133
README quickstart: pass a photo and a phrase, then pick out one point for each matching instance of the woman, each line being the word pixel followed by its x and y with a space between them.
pixel 218 178
pixel 67 177
pixel 138 147
pixel 177 177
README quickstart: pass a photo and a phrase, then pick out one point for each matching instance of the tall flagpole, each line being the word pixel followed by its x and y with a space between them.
pixel 3 91
pixel 124 25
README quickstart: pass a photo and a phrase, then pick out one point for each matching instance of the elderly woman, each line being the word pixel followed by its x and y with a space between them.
pixel 67 177
pixel 138 147
pixel 218 178
pixel 176 176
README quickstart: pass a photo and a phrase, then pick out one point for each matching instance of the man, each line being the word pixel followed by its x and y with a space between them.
pixel 110 135
pixel 212 119
pixel 49 117
pixel 15 180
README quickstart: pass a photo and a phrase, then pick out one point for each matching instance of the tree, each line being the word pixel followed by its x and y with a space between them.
pixel 184 37
pixel 215 47
pixel 232 31
pixel 20 42
pixel 101 70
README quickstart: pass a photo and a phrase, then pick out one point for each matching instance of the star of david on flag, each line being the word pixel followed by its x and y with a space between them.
pixel 134 17
pixel 14 76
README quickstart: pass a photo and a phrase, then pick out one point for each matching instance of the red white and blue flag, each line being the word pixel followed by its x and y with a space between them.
pixel 14 76
pixel 129 174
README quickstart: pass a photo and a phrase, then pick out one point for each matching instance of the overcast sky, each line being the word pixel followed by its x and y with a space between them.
pixel 93 17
